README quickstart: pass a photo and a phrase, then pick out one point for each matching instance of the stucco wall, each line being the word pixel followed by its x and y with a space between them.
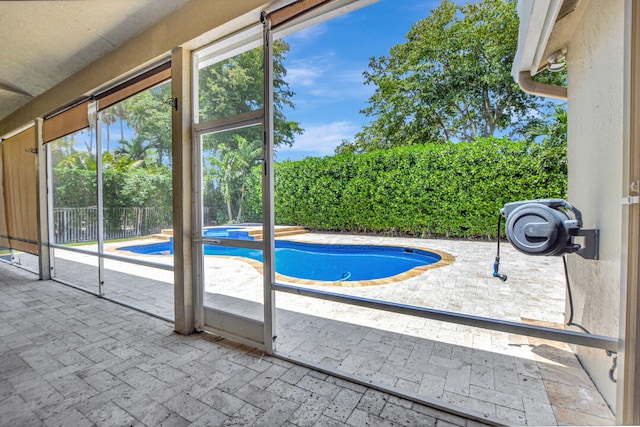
pixel 595 133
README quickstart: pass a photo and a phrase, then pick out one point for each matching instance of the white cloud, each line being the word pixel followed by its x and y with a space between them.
pixel 353 76
pixel 302 76
pixel 321 139
pixel 322 79
pixel 310 70
pixel 310 33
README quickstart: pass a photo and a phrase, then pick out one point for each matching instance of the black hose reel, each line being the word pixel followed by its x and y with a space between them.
pixel 546 227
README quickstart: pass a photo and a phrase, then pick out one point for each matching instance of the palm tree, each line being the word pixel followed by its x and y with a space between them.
pixel 248 154
pixel 108 118
pixel 120 113
pixel 78 160
pixel 230 168
pixel 62 147
pixel 120 163
pixel 136 149
pixel 553 128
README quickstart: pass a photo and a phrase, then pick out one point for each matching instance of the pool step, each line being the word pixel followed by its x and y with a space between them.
pixel 255 232
pixel 279 231
pixel 165 233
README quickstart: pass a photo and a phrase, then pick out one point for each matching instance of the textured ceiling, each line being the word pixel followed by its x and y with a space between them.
pixel 44 42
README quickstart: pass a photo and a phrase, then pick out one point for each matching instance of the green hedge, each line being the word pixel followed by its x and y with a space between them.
pixel 121 188
pixel 451 189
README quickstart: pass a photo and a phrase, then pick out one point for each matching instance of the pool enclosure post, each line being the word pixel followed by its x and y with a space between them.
pixel 43 205
pixel 94 121
pixel 182 152
pixel 197 266
pixel 267 192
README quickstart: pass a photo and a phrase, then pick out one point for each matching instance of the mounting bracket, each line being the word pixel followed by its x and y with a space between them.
pixel 591 248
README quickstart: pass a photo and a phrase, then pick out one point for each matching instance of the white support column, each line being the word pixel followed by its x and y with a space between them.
pixel 182 149
pixel 43 206
pixel 267 195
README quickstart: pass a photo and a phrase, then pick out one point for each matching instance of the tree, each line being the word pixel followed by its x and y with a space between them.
pixel 552 128
pixel 119 113
pixel 150 117
pixel 450 80
pixel 235 86
pixel 135 150
pixel 62 148
pixel 108 118
pixel 230 170
pixel 550 133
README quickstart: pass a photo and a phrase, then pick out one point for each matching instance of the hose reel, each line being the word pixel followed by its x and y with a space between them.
pixel 545 227
pixel 548 227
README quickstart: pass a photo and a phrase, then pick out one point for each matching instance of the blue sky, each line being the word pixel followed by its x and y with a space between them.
pixel 325 66
pixel 324 69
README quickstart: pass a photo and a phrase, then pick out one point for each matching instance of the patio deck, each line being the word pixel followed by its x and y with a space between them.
pixel 518 379
pixel 70 359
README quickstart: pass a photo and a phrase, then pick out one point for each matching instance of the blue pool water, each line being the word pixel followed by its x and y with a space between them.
pixel 320 261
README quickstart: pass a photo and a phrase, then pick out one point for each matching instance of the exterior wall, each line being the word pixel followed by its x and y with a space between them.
pixel 595 134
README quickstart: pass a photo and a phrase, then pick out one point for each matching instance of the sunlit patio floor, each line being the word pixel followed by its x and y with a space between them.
pixel 514 378
pixel 68 358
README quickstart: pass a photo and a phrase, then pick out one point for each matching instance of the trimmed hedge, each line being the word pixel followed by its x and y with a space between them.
pixel 121 188
pixel 451 189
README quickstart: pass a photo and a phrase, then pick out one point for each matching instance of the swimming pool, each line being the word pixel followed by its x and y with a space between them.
pixel 322 262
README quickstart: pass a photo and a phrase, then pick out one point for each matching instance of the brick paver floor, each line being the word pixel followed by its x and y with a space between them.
pixel 68 358
pixel 514 378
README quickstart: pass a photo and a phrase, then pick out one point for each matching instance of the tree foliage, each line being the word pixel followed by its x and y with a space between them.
pixel 230 87
pixel 136 172
pixel 235 86
pixel 450 80
pixel 76 188
pixel 150 117
pixel 552 128
pixel 139 163
pixel 231 169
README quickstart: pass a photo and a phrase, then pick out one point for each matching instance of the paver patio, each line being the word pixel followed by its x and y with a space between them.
pixel 514 378
pixel 68 358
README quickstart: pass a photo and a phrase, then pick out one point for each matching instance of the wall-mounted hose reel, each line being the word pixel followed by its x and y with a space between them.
pixel 548 227
pixel 545 227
